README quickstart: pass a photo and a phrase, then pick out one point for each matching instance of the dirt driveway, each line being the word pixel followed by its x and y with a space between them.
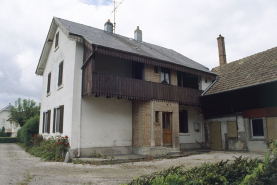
pixel 18 167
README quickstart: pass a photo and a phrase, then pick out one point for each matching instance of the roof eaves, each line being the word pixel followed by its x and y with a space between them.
pixel 241 88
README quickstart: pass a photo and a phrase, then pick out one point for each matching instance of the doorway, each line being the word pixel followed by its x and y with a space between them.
pixel 215 135
pixel 167 129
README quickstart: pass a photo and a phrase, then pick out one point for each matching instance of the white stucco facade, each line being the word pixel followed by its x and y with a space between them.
pixel 63 94
pixel 188 140
pixel 4 115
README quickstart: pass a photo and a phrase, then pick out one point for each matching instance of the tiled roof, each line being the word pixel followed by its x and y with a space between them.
pixel 8 107
pixel 253 70
pixel 115 41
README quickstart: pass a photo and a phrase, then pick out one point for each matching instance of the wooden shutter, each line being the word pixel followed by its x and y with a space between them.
pixel 61 119
pixel 232 129
pixel 49 83
pixel 60 80
pixel 57 40
pixel 43 122
pixel 54 120
pixel 48 124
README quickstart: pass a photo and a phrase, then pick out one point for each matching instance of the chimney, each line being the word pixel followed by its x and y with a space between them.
pixel 221 50
pixel 138 35
pixel 108 27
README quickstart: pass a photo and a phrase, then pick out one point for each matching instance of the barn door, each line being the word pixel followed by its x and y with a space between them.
pixel 271 128
pixel 215 135
pixel 167 129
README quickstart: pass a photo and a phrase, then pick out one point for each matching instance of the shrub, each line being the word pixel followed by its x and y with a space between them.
pixel 7 140
pixel 24 135
pixel 241 171
pixel 51 149
pixel 3 134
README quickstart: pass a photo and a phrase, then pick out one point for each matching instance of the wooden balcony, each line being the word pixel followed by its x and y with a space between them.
pixel 120 87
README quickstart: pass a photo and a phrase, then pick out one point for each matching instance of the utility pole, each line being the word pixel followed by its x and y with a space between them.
pixel 115 6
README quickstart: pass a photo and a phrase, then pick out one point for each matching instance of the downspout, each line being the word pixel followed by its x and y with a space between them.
pixel 209 86
pixel 80 113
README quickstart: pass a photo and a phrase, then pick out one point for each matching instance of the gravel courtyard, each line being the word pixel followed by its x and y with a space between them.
pixel 18 167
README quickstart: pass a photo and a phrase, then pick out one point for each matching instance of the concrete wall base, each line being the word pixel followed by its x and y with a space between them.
pixel 190 146
pixel 117 150
pixel 153 151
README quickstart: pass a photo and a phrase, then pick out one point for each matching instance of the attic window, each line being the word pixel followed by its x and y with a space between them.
pixel 57 40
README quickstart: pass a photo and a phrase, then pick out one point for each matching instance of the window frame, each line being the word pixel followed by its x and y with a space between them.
pixel 60 74
pixel 46 121
pixel 57 39
pixel 48 90
pixel 251 129
pixel 165 71
pixel 58 119
pixel 186 123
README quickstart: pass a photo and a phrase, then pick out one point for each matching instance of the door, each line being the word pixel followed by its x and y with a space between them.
pixel 215 135
pixel 167 129
pixel 271 128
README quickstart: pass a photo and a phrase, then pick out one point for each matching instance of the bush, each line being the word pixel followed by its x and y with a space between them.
pixel 24 135
pixel 241 171
pixel 51 149
pixel 7 140
pixel 3 134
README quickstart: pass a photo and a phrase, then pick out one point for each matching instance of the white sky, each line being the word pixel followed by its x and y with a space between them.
pixel 189 27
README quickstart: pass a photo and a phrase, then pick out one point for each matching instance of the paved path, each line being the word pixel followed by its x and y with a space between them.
pixel 18 167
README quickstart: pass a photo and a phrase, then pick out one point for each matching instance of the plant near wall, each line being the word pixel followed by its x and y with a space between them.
pixel 51 149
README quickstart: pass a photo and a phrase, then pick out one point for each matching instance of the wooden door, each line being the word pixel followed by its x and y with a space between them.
pixel 215 135
pixel 167 129
pixel 271 128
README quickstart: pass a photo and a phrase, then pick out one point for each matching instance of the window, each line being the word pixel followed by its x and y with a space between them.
pixel 57 40
pixel 156 69
pixel 60 78
pixel 49 83
pixel 46 121
pixel 165 76
pixel 232 129
pixel 257 129
pixel 187 80
pixel 156 116
pixel 58 119
pixel 183 121
pixel 206 81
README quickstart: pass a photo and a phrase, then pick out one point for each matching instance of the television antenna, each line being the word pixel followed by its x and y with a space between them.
pixel 115 6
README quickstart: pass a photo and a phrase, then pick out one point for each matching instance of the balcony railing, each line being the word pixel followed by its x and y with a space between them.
pixel 115 86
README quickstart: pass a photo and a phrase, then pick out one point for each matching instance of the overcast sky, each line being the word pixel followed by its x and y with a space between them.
pixel 189 27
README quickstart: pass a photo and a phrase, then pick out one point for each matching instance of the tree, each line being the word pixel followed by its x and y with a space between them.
pixel 3 129
pixel 24 110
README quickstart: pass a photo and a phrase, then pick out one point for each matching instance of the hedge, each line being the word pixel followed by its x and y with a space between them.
pixel 24 135
pixel 8 140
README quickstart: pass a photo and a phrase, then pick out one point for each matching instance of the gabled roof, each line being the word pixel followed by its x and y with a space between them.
pixel 101 38
pixel 8 107
pixel 253 70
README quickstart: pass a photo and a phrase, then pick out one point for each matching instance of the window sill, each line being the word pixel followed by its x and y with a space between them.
pixel 184 134
pixel 60 87
pixel 56 48
pixel 48 94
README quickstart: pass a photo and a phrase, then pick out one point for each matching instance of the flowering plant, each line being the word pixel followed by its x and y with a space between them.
pixel 52 148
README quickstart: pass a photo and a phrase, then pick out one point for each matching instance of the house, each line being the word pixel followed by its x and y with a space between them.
pixel 11 127
pixel 240 107
pixel 119 95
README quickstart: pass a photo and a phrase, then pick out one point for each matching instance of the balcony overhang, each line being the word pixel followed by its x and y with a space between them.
pixel 128 88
